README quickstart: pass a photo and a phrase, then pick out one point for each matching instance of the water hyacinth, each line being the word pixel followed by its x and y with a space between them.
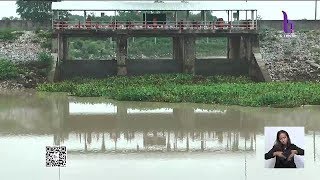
pixel 226 90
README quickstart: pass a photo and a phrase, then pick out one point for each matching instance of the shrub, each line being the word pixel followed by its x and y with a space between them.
pixel 46 44
pixel 46 61
pixel 8 70
pixel 44 34
pixel 45 58
pixel 9 34
pixel 44 38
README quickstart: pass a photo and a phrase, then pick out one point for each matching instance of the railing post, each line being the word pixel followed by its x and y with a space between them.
pixel 256 27
pixel 252 19
pixel 230 23
pixel 246 20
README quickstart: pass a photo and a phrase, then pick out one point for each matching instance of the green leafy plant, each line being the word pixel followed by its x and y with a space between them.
pixel 227 90
pixel 9 34
pixel 45 61
pixel 8 70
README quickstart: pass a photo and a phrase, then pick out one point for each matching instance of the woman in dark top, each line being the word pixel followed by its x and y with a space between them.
pixel 284 151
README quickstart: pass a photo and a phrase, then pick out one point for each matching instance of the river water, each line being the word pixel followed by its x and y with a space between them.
pixel 112 140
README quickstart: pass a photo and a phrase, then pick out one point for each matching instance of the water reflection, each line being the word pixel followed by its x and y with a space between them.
pixel 159 141
pixel 141 127
pixel 177 129
pixel 95 127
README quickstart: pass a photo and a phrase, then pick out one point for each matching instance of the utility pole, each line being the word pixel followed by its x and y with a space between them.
pixel 315 10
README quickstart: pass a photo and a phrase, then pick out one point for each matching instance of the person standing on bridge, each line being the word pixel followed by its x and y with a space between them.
pixel 284 151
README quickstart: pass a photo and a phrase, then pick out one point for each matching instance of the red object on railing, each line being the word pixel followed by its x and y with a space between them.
pixel 180 25
pixel 220 23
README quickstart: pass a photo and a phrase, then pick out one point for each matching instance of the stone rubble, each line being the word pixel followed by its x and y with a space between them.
pixel 287 57
pixel 24 49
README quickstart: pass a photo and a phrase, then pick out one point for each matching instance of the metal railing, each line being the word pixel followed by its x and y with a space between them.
pixel 140 25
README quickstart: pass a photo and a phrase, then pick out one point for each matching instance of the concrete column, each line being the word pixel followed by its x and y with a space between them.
pixel 54 45
pixel 121 55
pixel 174 48
pixel 60 47
pixel 234 47
pixel 243 48
pixel 65 48
pixel 189 51
pixel 249 48
pixel 177 50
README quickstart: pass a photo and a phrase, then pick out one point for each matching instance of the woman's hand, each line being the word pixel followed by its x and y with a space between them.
pixel 279 154
pixel 293 152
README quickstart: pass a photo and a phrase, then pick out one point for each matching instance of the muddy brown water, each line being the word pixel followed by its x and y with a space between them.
pixel 107 139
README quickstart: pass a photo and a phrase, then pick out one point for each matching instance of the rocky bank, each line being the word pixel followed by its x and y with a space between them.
pixel 23 51
pixel 294 57
pixel 288 58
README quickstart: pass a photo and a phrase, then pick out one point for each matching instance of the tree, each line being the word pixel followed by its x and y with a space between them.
pixel 36 11
pixel 259 18
pixel 10 18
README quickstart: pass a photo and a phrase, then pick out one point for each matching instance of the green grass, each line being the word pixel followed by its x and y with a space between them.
pixel 8 70
pixel 187 88
pixel 44 37
pixel 9 34
pixel 45 62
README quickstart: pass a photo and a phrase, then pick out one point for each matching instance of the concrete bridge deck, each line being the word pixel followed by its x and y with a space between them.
pixel 153 32
pixel 241 35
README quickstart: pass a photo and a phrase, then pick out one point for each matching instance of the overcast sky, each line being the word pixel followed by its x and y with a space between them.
pixel 266 9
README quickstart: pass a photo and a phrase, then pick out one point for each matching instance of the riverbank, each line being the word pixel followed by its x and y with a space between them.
pixel 293 57
pixel 25 76
pixel 25 59
pixel 177 88
pixel 25 67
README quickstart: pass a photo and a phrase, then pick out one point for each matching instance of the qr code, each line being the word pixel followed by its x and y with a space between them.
pixel 56 156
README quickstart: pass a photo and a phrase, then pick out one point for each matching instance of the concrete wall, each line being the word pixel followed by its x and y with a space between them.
pixel 87 68
pixel 154 66
pixel 257 68
pixel 220 67
pixel 299 24
pixel 23 25
pixel 102 68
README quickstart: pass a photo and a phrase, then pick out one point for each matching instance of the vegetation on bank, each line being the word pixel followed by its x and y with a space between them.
pixel 41 67
pixel 45 62
pixel 224 90
pixel 8 70
pixel 44 37
pixel 8 34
